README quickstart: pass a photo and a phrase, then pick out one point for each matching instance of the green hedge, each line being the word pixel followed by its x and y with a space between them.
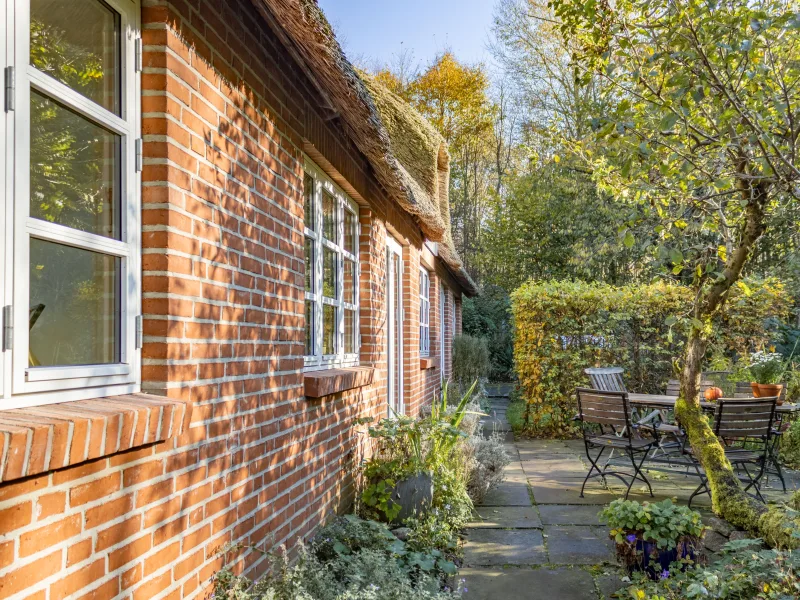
pixel 564 327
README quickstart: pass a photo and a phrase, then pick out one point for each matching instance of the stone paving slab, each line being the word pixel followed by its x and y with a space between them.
pixel 497 547
pixel 608 584
pixel 546 491
pixel 560 514
pixel 509 493
pixel 528 584
pixel 578 545
pixel 506 517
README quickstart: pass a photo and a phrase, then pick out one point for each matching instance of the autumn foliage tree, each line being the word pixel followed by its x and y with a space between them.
pixel 702 130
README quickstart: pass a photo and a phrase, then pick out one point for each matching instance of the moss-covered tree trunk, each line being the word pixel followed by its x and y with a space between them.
pixel 729 499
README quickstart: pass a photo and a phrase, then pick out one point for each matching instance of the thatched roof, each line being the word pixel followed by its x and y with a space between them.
pixel 404 150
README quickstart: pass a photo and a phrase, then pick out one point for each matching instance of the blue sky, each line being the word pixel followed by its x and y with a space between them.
pixel 377 29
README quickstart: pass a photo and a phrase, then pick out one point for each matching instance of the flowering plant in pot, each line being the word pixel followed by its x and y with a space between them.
pixel 652 535
pixel 767 370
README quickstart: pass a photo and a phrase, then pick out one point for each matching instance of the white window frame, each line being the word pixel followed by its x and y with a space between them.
pixel 424 313
pixel 319 361
pixel 31 386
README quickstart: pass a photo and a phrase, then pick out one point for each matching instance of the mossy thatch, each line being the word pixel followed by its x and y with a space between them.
pixel 405 151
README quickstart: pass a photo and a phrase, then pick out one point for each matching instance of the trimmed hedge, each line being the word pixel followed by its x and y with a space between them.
pixel 563 327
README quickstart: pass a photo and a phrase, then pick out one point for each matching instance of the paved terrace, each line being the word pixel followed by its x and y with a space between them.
pixel 535 538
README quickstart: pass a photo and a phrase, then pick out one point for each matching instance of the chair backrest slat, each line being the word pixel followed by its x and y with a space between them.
pixel 607 379
pixel 674 387
pixel 745 417
pixel 604 408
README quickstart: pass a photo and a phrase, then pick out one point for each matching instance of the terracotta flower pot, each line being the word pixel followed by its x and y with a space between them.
pixel 768 390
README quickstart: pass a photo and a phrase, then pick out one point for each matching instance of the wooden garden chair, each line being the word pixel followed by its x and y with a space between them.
pixel 737 421
pixel 607 424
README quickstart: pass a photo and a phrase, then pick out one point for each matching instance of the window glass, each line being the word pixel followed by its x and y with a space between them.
pixel 349 281
pixel 74 166
pixel 350 232
pixel 349 331
pixel 308 204
pixel 329 268
pixel 74 306
pixel 309 252
pixel 78 43
pixel 310 306
pixel 328 329
pixel 330 217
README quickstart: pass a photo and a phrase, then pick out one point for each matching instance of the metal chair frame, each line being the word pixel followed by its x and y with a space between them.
pixel 611 410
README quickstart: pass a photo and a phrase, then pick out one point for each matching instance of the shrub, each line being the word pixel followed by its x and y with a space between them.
pixel 351 559
pixel 470 359
pixel 564 327
pixel 488 316
pixel 790 446
pixel 744 572
pixel 491 459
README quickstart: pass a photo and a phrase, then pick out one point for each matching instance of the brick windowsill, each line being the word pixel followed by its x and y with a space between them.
pixel 428 362
pixel 45 438
pixel 333 381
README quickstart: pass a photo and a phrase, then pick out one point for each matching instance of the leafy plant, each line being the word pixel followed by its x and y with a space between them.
pixel 406 447
pixel 470 359
pixel 767 367
pixel 745 571
pixel 664 523
pixel 351 559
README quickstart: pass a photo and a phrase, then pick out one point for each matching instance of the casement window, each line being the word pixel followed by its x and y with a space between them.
pixel 424 313
pixel 332 268
pixel 71 269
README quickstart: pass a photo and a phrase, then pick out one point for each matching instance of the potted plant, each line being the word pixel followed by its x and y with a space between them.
pixel 652 535
pixel 767 370
pixel 399 478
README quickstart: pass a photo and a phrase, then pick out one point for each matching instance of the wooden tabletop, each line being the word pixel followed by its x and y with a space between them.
pixel 663 401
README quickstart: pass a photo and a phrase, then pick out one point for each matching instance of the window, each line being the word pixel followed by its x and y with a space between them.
pixel 75 224
pixel 331 253
pixel 424 313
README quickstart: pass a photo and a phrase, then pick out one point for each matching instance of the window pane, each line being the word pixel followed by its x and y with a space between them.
pixel 329 268
pixel 309 265
pixel 310 327
pixel 308 205
pixel 349 332
pixel 330 219
pixel 349 281
pixel 328 329
pixel 78 43
pixel 74 170
pixel 74 306
pixel 350 232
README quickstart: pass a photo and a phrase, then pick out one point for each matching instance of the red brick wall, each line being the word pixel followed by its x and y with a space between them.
pixel 225 118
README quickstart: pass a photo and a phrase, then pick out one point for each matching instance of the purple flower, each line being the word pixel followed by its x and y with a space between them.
pixel 630 537
pixel 664 574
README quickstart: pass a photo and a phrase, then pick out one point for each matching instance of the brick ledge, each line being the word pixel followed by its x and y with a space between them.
pixel 428 362
pixel 332 381
pixel 45 438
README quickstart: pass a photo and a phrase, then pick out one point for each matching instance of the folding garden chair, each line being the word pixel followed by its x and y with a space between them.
pixel 606 423
pixel 747 422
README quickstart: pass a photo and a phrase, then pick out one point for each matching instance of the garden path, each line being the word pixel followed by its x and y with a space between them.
pixel 535 538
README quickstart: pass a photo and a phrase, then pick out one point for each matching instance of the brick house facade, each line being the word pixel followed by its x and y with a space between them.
pixel 228 423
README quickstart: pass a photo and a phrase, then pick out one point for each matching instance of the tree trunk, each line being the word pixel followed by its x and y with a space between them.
pixel 729 500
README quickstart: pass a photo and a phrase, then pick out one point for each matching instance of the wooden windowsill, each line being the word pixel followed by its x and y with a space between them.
pixel 45 438
pixel 333 381
pixel 428 362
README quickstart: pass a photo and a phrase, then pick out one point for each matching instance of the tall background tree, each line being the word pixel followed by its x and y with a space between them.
pixel 700 130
